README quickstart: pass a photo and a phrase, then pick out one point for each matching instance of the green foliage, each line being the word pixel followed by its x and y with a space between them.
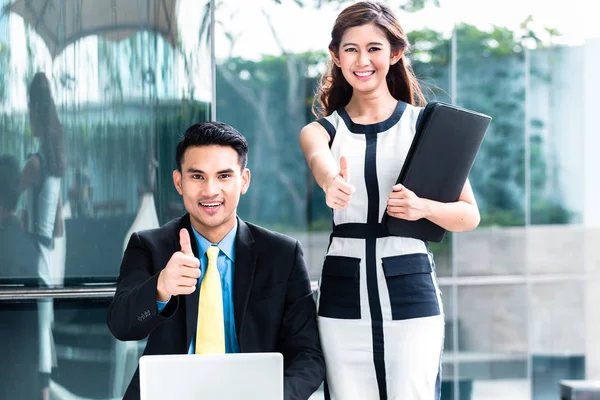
pixel 429 47
pixel 473 43
pixel 416 5
pixel 491 75
pixel 270 100
pixel 262 99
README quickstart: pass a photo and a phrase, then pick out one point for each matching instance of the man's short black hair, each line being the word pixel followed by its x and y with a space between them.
pixel 9 182
pixel 213 133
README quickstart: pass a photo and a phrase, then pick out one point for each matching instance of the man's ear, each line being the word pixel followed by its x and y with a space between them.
pixel 396 56
pixel 245 181
pixel 177 181
pixel 334 58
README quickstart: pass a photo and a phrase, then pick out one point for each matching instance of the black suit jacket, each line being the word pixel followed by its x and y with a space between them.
pixel 273 304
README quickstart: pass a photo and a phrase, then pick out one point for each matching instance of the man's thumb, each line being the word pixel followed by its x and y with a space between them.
pixel 185 243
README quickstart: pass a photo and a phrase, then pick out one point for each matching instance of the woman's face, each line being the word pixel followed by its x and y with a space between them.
pixel 365 56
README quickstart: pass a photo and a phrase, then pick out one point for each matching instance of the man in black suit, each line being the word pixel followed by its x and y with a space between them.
pixel 267 303
pixel 19 323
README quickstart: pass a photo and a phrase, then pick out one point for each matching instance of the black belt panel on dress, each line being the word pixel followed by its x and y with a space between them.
pixel 360 231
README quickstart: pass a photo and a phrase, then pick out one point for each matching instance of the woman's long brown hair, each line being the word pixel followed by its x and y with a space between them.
pixel 44 117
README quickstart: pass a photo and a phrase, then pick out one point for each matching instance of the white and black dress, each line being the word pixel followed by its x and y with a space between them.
pixel 379 307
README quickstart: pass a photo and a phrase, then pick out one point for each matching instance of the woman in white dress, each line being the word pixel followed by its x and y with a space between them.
pixel 379 307
pixel 41 179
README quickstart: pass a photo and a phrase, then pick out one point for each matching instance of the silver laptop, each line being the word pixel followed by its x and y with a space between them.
pixel 216 376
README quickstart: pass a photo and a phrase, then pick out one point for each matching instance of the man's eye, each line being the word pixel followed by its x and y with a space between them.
pixel 224 176
pixel 196 176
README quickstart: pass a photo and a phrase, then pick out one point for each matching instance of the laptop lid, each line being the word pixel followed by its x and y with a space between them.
pixel 214 376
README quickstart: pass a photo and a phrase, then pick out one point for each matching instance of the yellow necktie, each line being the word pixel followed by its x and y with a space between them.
pixel 210 330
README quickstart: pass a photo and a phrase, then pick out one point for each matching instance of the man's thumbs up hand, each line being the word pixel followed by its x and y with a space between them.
pixel 181 273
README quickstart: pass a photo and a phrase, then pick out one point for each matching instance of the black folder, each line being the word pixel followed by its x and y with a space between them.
pixel 438 162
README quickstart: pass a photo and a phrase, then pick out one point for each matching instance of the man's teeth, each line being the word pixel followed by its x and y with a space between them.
pixel 210 204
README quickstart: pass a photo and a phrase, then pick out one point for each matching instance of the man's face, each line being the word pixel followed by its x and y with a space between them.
pixel 211 182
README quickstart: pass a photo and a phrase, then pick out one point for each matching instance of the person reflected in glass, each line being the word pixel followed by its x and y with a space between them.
pixel 19 255
pixel 41 181
pixel 380 312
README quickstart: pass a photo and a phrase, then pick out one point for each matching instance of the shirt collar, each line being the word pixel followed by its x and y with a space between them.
pixel 226 245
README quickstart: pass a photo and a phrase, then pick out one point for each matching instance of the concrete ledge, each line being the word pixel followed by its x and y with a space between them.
pixel 579 390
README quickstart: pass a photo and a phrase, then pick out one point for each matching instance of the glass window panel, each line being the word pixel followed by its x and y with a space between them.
pixel 556 143
pixel 492 318
pixel 490 78
pixel 556 310
pixel 88 361
pixel 493 342
pixel 592 250
pixel 450 336
pixel 592 326
pixel 558 340
pixel 91 125
pixel 265 80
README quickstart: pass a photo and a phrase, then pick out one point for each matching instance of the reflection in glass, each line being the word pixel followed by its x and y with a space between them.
pixel 25 339
pixel 41 180
pixel 118 100
pixel 451 334
pixel 19 346
pixel 19 253
pixel 90 363
pixel 88 123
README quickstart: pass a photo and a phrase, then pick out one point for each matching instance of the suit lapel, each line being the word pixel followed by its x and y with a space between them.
pixel 245 263
pixel 191 300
